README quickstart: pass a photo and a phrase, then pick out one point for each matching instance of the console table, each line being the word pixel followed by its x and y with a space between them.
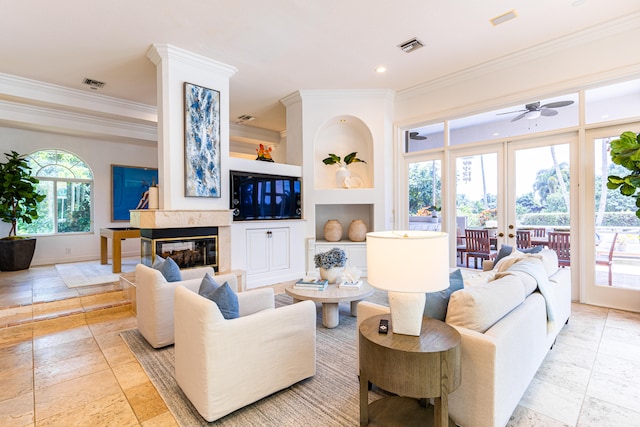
pixel 412 367
pixel 117 235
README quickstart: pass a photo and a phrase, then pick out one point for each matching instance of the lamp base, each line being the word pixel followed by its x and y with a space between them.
pixel 407 310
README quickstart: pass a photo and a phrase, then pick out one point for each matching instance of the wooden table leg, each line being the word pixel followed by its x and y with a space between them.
pixel 103 250
pixel 330 314
pixel 364 400
pixel 117 254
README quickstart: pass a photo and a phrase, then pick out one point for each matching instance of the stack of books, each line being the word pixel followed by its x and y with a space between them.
pixel 311 283
pixel 350 285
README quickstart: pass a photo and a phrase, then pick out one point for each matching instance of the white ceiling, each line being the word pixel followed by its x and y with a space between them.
pixel 278 47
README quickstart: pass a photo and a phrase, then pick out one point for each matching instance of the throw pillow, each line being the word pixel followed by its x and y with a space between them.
pixel 505 250
pixel 227 301
pixel 437 302
pixel 207 286
pixel 157 261
pixel 170 270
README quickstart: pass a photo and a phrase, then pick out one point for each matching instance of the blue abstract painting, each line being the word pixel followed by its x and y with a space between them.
pixel 202 141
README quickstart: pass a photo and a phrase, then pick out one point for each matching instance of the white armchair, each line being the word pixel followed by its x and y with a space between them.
pixel 155 300
pixel 222 365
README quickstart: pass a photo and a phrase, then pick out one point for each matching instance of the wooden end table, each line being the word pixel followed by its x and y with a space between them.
pixel 330 298
pixel 117 235
pixel 412 367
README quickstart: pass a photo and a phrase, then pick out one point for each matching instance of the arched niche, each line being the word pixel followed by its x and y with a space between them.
pixel 342 135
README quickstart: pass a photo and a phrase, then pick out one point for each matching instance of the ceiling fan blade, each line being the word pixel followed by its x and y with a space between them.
pixel 519 116
pixel 548 112
pixel 557 104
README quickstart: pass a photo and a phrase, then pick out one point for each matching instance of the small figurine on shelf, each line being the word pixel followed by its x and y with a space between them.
pixel 264 154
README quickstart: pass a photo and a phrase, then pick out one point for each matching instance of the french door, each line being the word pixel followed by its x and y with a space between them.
pixel 612 231
pixel 514 185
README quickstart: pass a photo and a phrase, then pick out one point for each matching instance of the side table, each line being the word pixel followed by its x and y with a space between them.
pixel 409 366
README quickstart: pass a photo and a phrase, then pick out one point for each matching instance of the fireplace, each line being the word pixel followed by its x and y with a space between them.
pixel 188 247
pixel 191 237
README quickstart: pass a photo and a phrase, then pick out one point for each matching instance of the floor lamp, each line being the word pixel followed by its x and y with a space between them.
pixel 408 264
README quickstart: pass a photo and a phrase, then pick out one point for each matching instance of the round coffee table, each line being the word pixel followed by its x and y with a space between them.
pixel 330 298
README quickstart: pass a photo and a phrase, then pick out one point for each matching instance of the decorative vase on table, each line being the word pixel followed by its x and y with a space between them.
pixel 357 231
pixel 332 231
pixel 331 274
pixel 341 174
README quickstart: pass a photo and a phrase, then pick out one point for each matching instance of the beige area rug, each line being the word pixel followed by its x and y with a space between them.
pixel 90 273
pixel 330 398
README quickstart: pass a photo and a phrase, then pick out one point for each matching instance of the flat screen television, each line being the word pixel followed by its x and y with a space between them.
pixel 260 196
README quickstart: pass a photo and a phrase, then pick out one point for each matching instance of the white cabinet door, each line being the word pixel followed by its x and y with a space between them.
pixel 267 250
pixel 258 249
pixel 279 249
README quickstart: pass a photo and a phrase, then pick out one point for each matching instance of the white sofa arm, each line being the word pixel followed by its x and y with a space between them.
pixel 196 273
pixel 255 300
pixel 223 365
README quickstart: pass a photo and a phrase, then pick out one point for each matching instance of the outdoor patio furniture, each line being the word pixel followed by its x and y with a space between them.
pixel 523 239
pixel 478 246
pixel 607 258
pixel 561 243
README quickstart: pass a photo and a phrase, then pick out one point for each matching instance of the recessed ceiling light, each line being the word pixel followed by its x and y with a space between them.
pixel 512 14
pixel 578 3
pixel 604 116
pixel 496 134
pixel 381 69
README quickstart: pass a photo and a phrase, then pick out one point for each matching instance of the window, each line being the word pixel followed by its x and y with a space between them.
pixel 68 183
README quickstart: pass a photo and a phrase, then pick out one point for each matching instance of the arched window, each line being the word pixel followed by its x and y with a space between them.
pixel 68 183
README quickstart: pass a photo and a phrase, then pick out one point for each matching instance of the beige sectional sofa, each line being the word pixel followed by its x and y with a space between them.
pixel 509 318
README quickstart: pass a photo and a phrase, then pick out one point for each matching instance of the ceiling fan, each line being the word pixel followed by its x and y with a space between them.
pixel 417 136
pixel 535 110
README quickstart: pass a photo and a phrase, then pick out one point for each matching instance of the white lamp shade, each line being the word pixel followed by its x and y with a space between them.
pixel 408 261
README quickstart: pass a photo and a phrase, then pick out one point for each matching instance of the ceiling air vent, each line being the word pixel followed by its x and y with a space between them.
pixel 93 84
pixel 245 118
pixel 411 45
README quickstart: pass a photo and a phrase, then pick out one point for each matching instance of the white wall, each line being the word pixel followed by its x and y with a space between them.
pixel 99 155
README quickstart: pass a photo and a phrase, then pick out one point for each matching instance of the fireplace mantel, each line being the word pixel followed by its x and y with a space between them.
pixel 158 218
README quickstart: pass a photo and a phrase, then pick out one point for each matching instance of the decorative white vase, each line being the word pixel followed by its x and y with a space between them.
pixel 341 174
pixel 331 274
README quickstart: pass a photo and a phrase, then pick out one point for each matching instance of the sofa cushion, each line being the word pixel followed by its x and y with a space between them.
pixel 169 270
pixel 437 302
pixel 225 299
pixel 480 307
pixel 550 261
pixel 157 261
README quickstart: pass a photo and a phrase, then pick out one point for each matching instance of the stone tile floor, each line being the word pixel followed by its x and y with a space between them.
pixel 64 363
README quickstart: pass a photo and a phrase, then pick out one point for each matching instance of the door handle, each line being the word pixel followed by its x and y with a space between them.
pixel 500 234
pixel 511 236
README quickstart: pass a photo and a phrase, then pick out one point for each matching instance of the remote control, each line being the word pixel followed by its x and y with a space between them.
pixel 384 326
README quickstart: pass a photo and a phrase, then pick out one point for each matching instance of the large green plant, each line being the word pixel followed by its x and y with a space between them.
pixel 625 151
pixel 19 195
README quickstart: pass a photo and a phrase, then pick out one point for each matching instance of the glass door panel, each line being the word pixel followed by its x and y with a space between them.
pixel 477 203
pixel 540 198
pixel 616 225
pixel 425 200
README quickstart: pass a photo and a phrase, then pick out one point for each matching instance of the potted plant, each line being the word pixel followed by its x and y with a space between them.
pixel 19 198
pixel 342 173
pixel 625 151
pixel 330 263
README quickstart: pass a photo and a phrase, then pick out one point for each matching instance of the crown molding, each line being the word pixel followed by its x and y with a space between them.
pixel 158 53
pixel 540 51
pixel 38 117
pixel 253 134
pixel 37 92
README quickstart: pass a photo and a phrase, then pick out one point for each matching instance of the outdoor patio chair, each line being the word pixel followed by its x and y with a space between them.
pixel 523 239
pixel 561 243
pixel 478 246
pixel 607 258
